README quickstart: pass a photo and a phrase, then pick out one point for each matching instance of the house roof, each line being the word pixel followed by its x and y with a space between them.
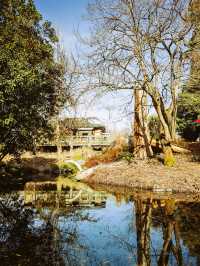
pixel 75 123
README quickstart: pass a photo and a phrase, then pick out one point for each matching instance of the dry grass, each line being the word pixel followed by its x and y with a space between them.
pixel 110 155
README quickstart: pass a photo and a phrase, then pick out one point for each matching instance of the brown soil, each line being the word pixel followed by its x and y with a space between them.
pixel 150 175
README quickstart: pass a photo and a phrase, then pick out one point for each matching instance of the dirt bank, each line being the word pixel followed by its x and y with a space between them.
pixel 150 175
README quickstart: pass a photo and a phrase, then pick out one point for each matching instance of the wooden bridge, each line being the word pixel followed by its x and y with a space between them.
pixel 103 140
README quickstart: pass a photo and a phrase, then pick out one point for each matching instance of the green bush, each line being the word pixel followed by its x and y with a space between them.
pixel 188 111
pixel 68 169
pixel 127 156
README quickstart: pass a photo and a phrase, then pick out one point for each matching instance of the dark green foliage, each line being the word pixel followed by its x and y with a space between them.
pixel 29 77
pixel 189 100
pixel 194 45
pixel 188 111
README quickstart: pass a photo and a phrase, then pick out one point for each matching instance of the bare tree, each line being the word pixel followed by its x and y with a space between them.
pixel 67 94
pixel 140 46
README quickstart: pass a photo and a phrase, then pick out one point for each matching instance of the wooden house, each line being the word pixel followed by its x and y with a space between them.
pixel 83 127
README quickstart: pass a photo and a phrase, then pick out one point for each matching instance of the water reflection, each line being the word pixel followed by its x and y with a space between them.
pixel 163 214
pixel 61 193
pixel 68 223
pixel 20 242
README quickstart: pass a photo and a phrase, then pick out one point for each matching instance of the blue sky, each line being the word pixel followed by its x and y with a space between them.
pixel 67 16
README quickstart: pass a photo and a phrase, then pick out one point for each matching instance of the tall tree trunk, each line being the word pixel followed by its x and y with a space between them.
pixel 162 117
pixel 142 148
pixel 173 123
pixel 168 130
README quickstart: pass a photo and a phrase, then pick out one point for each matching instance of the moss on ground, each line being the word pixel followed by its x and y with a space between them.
pixel 169 159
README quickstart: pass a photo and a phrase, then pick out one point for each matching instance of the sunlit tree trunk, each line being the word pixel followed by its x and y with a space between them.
pixel 142 148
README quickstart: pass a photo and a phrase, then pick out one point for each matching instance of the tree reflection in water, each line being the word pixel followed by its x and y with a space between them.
pixel 188 220
pixel 21 243
pixel 170 230
pixel 166 231
pixel 24 242
pixel 178 222
pixel 143 222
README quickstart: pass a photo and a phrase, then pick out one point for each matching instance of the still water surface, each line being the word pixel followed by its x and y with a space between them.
pixel 69 223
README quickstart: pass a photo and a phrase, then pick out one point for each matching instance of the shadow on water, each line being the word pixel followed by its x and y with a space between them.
pixel 68 223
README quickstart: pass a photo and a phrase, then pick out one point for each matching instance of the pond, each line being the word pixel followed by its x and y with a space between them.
pixel 70 223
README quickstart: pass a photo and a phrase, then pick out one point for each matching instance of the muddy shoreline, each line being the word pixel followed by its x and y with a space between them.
pixel 149 176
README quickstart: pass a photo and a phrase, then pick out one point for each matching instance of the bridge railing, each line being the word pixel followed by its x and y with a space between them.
pixel 104 139
pixel 101 140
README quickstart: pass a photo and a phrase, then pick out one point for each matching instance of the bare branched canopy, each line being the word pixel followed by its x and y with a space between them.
pixel 141 45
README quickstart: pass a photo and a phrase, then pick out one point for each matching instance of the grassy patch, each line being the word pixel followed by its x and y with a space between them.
pixel 82 153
